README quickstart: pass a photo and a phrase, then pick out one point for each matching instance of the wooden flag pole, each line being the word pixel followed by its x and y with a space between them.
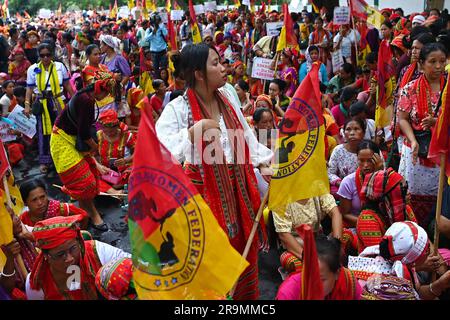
pixel 19 259
pixel 252 234
pixel 443 160
pixel 113 195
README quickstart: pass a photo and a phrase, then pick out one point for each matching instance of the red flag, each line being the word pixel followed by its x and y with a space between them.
pixel 312 288
pixel 439 141
pixel 386 78
pixel 287 37
pixel 172 33
pixel 263 8
pixel 4 163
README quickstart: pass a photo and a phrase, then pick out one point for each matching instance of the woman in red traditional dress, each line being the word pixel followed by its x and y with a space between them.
pixel 418 108
pixel 91 73
pixel 383 199
pixel 115 149
pixel 62 249
pixel 40 207
pixel 338 283
pixel 226 177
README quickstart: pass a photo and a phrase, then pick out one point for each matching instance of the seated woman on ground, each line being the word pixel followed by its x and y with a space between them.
pixel 338 283
pixel 61 245
pixel 310 211
pixel 403 252
pixel 383 202
pixel 40 207
pixel 369 161
pixel 343 160
pixel 115 148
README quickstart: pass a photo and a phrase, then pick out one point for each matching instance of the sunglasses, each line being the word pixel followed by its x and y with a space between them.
pixel 45 55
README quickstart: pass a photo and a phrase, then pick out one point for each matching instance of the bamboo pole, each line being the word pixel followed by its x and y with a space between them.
pixel 102 193
pixel 19 259
pixel 252 233
pixel 443 160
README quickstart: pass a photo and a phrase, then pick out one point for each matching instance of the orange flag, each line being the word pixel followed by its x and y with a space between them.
pixel 439 141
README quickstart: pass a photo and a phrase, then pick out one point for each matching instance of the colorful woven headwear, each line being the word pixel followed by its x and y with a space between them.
pixel 33 33
pixel 53 232
pixel 134 95
pixel 114 278
pixel 398 42
pixel 109 118
pixel 406 241
pixel 237 63
pixel 80 37
pixel 105 82
pixel 264 97
pixel 16 51
pixel 382 189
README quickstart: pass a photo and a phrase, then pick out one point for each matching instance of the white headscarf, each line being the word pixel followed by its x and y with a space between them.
pixel 111 42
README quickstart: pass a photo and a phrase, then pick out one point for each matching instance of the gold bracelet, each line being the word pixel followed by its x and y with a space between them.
pixel 27 103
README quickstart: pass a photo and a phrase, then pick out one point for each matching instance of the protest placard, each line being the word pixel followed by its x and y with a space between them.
pixel 274 28
pixel 164 17
pixel 211 6
pixel 22 123
pixel 176 15
pixel 4 132
pixel 341 15
pixel 337 59
pixel 261 68
pixel 199 9
pixel 246 3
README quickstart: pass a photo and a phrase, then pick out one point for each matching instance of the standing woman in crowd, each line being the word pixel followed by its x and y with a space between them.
pixel 386 31
pixel 116 63
pixel 228 187
pixel 72 146
pixel 93 71
pixel 289 71
pixel 323 40
pixel 18 66
pixel 46 82
pixel 417 112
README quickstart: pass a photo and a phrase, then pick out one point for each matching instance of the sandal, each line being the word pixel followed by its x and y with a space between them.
pixel 101 227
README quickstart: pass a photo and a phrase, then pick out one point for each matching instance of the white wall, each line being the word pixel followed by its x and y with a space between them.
pixel 447 4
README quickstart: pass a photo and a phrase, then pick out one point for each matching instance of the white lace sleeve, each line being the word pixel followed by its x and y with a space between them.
pixel 172 129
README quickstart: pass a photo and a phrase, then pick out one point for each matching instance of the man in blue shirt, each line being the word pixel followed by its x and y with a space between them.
pixel 156 35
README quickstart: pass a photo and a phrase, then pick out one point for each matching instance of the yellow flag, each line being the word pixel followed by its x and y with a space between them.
pixel 130 4
pixel 179 249
pixel 196 36
pixel 145 82
pixel 6 229
pixel 383 115
pixel 16 197
pixel 374 17
pixel 300 170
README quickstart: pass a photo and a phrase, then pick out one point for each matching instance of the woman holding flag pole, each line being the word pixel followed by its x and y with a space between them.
pixel 205 130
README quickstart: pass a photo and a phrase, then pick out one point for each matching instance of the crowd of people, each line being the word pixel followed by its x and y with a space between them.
pixel 86 81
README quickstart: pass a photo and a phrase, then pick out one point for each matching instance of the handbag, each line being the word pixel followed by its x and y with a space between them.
pixel 38 107
pixel 80 144
pixel 423 138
